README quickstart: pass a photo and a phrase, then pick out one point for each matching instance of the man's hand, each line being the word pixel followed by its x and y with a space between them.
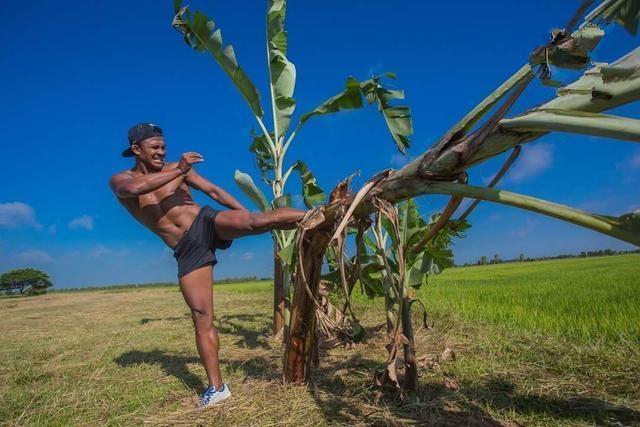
pixel 187 160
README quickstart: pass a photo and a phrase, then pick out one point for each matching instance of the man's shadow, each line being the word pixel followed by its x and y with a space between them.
pixel 252 329
pixel 171 364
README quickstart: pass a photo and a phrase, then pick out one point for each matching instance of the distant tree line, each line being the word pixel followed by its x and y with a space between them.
pixel 159 284
pixel 484 260
pixel 24 281
pixel 243 279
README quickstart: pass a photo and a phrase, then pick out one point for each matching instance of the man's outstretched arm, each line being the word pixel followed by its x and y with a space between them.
pixel 126 186
pixel 216 193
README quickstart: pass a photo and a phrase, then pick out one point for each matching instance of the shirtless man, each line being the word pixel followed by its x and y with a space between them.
pixel 158 195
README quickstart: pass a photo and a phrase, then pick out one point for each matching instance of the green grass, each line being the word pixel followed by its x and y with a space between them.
pixel 588 298
pixel 593 298
pixel 528 351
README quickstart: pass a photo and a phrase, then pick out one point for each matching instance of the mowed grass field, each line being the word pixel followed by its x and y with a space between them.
pixel 543 343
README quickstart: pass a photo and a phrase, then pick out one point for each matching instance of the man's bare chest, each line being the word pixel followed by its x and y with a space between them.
pixel 172 194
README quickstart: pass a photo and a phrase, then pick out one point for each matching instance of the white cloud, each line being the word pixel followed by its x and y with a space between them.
pixel 14 214
pixel 534 160
pixel 84 221
pixel 34 256
pixel 247 256
pixel 101 251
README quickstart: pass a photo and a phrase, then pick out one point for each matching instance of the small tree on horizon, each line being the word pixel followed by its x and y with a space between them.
pixel 29 281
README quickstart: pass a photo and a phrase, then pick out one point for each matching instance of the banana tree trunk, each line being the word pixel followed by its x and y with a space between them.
pixel 410 366
pixel 388 308
pixel 280 276
pixel 301 339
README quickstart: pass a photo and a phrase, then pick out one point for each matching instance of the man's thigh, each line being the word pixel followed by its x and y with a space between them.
pixel 197 290
pixel 232 224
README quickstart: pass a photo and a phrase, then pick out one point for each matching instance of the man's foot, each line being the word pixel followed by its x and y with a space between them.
pixel 211 396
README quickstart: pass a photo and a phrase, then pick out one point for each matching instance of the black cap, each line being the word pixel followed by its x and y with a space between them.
pixel 140 132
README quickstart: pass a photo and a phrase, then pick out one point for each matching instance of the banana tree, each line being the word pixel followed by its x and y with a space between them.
pixel 271 146
pixel 442 169
pixel 399 253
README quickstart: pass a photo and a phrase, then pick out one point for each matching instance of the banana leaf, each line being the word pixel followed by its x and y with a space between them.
pixel 397 118
pixel 312 194
pixel 282 72
pixel 246 184
pixel 201 34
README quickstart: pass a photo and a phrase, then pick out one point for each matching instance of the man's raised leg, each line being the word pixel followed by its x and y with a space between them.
pixel 232 224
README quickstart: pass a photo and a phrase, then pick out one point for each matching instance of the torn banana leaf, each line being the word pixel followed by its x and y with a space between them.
pixel 287 253
pixel 600 88
pixel 246 184
pixel 573 52
pixel 397 118
pixel 264 157
pixel 201 34
pixel 282 72
pixel 283 201
pixel 348 99
pixel 312 194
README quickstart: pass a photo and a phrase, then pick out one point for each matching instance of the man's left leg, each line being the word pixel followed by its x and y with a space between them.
pixel 197 290
pixel 235 223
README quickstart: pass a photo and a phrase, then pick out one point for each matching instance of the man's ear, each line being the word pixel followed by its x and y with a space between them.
pixel 135 148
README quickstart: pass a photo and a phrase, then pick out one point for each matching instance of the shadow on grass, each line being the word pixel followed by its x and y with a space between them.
pixel 336 386
pixel 502 395
pixel 171 364
pixel 146 320
pixel 258 367
pixel 253 329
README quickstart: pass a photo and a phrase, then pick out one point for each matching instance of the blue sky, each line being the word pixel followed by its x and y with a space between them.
pixel 76 77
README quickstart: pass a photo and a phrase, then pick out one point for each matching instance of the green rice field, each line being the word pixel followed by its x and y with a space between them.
pixel 595 298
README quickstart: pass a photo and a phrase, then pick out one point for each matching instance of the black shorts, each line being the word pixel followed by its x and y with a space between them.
pixel 198 245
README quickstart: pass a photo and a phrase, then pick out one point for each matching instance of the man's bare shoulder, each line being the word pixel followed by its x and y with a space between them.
pixel 120 176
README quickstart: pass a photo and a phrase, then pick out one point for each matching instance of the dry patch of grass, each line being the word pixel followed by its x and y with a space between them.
pixel 129 358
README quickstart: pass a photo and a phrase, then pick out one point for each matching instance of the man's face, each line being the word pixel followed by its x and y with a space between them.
pixel 151 152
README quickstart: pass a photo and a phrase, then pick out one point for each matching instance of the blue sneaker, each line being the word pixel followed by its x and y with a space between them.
pixel 211 396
